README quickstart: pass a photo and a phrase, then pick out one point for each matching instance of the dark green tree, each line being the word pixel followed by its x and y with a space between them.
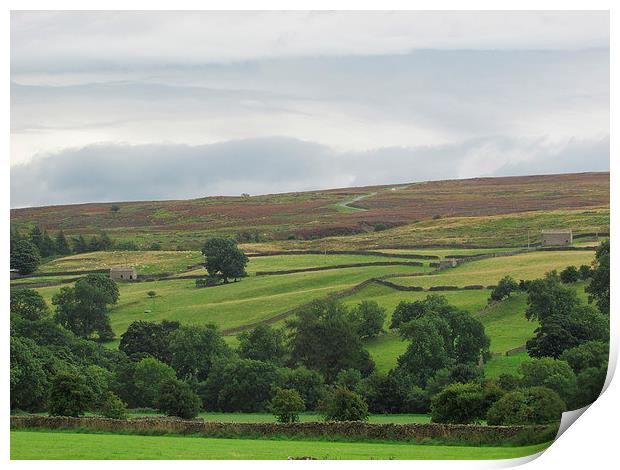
pixel 82 309
pixel 113 407
pixel 505 287
pixel 308 383
pixel 349 379
pixel 552 374
pixel 585 272
pixel 240 385
pixel 149 375
pixel 535 405
pixel 369 317
pixel 286 405
pixel 29 379
pixel 25 257
pixel 569 275
pixel 178 399
pixel 28 304
pixel 69 395
pixel 36 238
pixel 548 297
pixel 586 355
pixel 224 258
pixel 193 349
pixel 407 311
pixel 79 244
pixel 262 343
pixel 344 405
pixel 48 247
pixel 590 382
pixel 558 333
pixel 599 287
pixel 458 404
pixel 61 245
pixel 323 338
pixel 426 353
pixel 143 337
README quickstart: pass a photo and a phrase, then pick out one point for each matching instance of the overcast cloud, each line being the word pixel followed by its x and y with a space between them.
pixel 133 105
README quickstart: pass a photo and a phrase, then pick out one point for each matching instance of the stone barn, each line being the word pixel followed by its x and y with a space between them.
pixel 448 263
pixel 124 274
pixel 557 237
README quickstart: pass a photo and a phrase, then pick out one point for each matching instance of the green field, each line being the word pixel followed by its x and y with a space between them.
pixel 287 262
pixel 489 271
pixel 502 364
pixel 256 299
pixel 35 445
pixel 234 304
pixel 145 262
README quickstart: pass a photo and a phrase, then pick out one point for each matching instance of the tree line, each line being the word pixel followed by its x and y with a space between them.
pixel 27 250
pixel 316 362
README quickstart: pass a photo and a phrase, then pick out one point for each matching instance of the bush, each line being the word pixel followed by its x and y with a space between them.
pixel 569 275
pixel 262 343
pixel 590 382
pixel 25 257
pixel 550 373
pixel 535 405
pixel 585 272
pixel 588 354
pixel 242 385
pixel 113 407
pixel 28 304
pixel 207 281
pixel 286 405
pixel 416 401
pixel 69 395
pixel 176 398
pixel 369 317
pixel 504 288
pixel 308 383
pixel 458 404
pixel 349 379
pixel 344 405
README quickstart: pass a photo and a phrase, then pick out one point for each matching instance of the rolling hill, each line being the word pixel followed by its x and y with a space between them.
pixel 479 211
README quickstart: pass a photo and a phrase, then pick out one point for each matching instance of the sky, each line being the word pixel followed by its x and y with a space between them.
pixel 114 106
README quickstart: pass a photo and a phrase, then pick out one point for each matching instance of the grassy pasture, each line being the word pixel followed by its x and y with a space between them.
pixel 285 262
pixel 234 304
pixel 504 230
pixel 145 262
pixel 489 271
pixel 505 323
pixel 36 445
pixel 445 252
pixel 499 365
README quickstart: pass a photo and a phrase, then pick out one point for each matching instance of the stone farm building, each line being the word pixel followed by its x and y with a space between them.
pixel 557 237
pixel 124 274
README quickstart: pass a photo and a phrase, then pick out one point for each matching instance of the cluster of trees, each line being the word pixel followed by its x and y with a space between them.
pixel 317 362
pixel 570 348
pixel 28 250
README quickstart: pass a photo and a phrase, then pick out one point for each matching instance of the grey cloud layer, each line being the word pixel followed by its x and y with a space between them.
pixel 112 172
pixel 149 105
pixel 47 40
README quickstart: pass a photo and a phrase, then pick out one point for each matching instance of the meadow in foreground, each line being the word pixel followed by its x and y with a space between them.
pixel 26 445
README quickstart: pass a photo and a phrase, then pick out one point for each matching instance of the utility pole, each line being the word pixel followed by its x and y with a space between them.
pixel 528 239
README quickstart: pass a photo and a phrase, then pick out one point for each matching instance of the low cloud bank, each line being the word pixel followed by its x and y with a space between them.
pixel 108 172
